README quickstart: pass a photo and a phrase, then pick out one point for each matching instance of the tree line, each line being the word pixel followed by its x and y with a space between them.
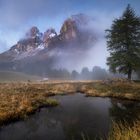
pixel 97 73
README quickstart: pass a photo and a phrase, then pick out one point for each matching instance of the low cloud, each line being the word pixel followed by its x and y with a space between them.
pixel 3 46
pixel 14 13
pixel 19 15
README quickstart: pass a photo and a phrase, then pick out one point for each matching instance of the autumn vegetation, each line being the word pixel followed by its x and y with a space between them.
pixel 17 100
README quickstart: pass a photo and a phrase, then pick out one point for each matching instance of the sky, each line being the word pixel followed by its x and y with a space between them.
pixel 17 16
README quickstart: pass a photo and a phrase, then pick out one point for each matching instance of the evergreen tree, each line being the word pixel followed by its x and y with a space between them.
pixel 85 73
pixel 98 73
pixel 123 43
pixel 74 74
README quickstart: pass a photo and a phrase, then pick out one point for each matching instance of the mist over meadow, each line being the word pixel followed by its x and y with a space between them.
pixel 42 37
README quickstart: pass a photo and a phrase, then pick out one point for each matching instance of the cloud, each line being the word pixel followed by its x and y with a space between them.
pixel 16 16
pixel 3 46
pixel 14 13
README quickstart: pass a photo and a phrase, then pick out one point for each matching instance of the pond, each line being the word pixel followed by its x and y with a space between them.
pixel 76 117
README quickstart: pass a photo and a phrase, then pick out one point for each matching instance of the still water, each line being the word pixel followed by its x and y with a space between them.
pixel 75 118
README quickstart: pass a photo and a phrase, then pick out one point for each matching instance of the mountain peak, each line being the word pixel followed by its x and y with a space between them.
pixel 69 29
pixel 49 47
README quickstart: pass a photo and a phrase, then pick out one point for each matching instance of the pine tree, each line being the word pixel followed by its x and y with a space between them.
pixel 123 43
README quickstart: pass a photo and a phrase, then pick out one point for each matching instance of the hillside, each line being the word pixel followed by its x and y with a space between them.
pixel 9 76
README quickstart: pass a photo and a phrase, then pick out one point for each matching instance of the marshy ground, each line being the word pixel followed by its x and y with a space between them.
pixel 18 100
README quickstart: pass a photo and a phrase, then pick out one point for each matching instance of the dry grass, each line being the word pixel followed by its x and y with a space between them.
pixel 15 106
pixel 17 100
pixel 123 131
pixel 122 90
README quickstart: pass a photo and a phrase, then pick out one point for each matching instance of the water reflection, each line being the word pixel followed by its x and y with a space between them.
pixel 74 117
pixel 124 110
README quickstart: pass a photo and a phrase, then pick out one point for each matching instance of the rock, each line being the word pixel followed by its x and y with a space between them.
pixel 48 35
pixel 69 30
pixel 48 48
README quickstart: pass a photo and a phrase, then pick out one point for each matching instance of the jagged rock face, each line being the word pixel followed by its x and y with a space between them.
pixel 33 32
pixel 27 44
pixel 31 41
pixel 48 35
pixel 77 29
pixel 72 31
pixel 47 48
pixel 69 30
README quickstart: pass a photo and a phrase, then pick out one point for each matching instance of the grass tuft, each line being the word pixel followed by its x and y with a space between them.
pixel 123 131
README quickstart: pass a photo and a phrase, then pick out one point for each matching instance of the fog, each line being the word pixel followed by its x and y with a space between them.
pixel 96 51
pixel 19 16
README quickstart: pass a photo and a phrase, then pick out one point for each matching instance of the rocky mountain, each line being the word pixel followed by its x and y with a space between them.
pixel 37 52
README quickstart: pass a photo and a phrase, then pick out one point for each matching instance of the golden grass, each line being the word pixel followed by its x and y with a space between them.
pixel 122 90
pixel 15 106
pixel 123 131
pixel 17 100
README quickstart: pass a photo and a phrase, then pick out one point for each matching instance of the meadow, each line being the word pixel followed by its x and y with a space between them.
pixel 19 99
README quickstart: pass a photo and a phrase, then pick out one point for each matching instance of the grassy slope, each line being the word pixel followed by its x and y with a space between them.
pixel 8 76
